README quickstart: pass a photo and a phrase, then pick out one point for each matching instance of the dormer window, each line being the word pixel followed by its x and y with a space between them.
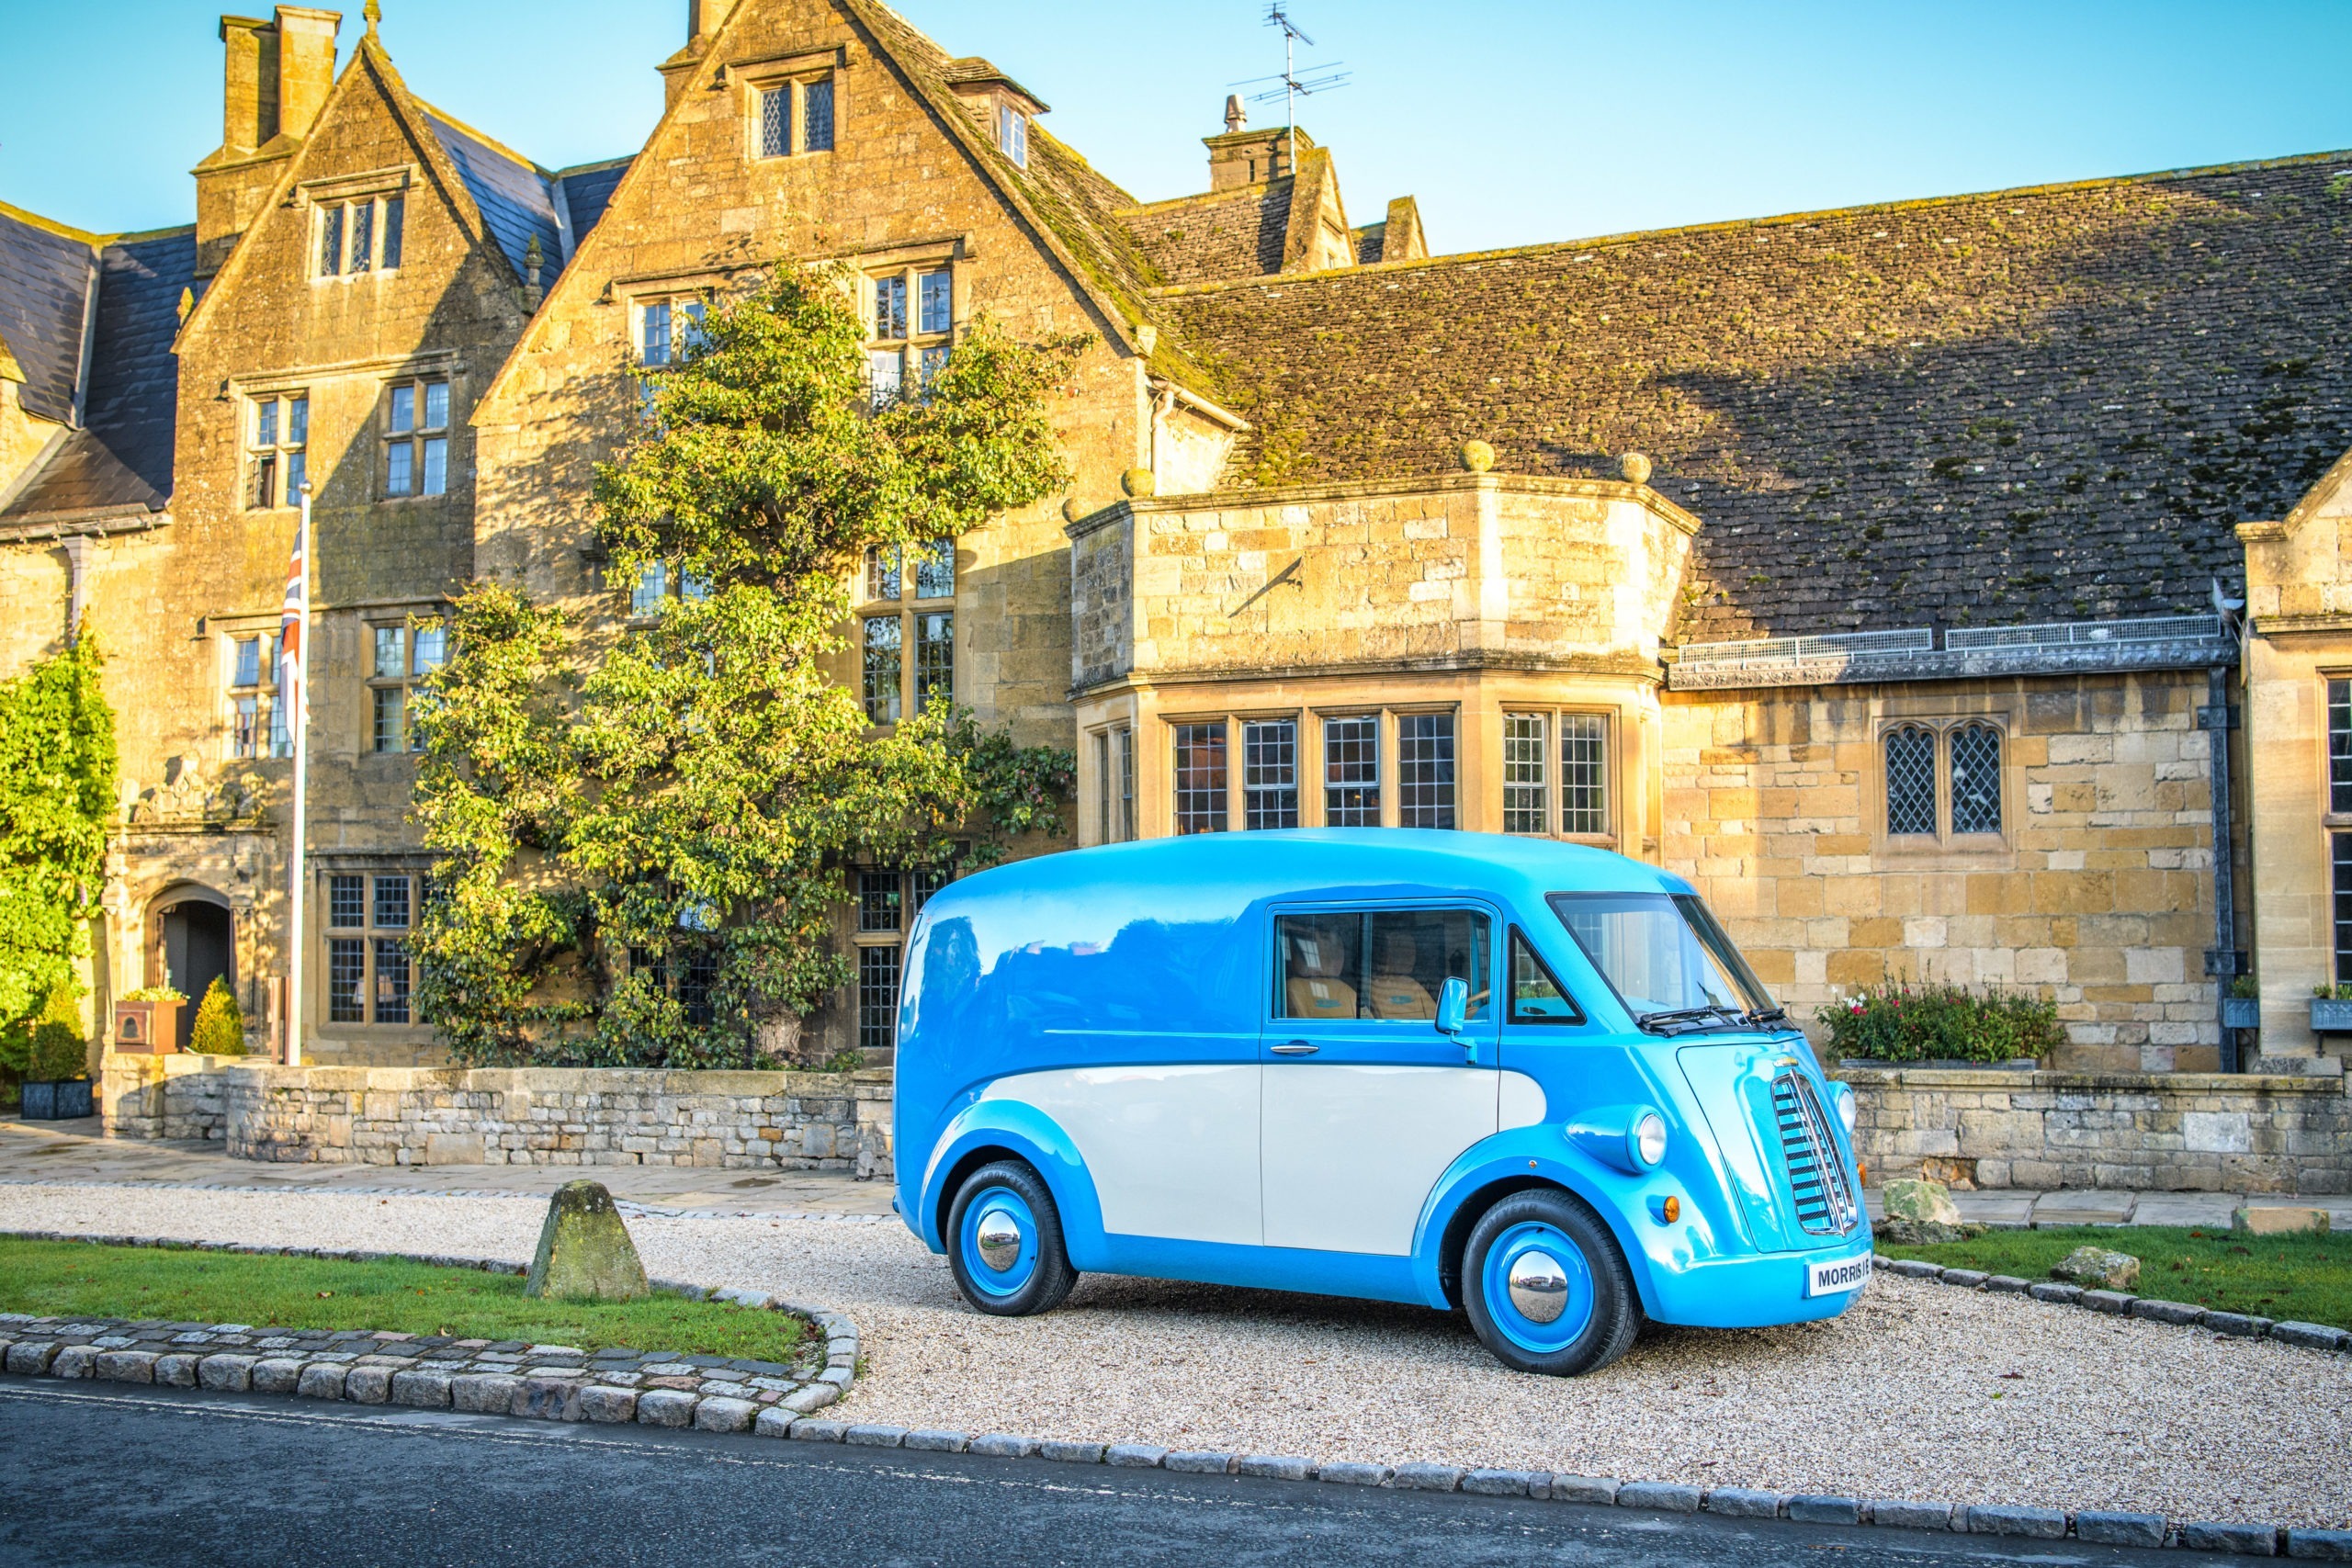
pixel 1013 134
pixel 793 116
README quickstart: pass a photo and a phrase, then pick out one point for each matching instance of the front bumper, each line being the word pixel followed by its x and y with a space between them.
pixel 1754 1291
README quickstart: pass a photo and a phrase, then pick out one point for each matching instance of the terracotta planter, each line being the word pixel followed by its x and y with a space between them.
pixel 146 1029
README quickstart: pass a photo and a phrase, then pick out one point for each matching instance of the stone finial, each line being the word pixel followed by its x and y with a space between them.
pixel 1147 338
pixel 1635 467
pixel 1477 456
pixel 533 259
pixel 585 1250
pixel 1072 510
pixel 1138 482
pixel 374 14
pixel 1236 116
pixel 188 303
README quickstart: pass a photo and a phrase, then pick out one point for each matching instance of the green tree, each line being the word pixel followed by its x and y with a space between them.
pixel 220 1029
pixel 643 838
pixel 56 795
pixel 59 1050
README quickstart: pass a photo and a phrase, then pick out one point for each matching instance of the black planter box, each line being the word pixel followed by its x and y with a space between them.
pixel 57 1101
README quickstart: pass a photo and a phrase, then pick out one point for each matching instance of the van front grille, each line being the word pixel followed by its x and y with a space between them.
pixel 1818 1182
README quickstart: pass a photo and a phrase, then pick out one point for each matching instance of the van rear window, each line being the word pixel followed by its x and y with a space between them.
pixel 1385 964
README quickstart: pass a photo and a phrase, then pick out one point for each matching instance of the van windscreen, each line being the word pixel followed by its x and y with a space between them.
pixel 1669 961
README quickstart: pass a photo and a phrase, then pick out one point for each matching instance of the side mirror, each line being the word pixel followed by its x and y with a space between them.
pixel 1452 1005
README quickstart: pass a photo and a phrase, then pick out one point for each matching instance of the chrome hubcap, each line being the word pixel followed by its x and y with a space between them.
pixel 998 1236
pixel 1539 1287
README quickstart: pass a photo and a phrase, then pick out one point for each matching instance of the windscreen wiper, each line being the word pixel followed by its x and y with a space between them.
pixel 1762 1016
pixel 1666 1023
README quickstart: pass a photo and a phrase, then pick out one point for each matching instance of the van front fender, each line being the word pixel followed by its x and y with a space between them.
pixel 1540 1156
pixel 1028 1134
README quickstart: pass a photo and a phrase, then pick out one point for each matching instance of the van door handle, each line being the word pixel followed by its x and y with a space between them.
pixel 1297 1048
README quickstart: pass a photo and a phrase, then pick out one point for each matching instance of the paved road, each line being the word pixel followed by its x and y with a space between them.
pixel 155 1477
pixel 73 1151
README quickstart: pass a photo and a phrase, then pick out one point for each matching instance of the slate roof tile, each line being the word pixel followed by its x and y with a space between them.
pixel 513 193
pixel 44 287
pixel 1224 235
pixel 2025 405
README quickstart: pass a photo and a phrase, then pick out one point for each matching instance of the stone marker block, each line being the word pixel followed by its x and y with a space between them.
pixel 1420 1476
pixel 226 1372
pixel 874 1435
pixel 322 1380
pixel 2311 1335
pixel 1347 1472
pixel 547 1399
pixel 600 1402
pixel 996 1445
pixel 665 1407
pixel 2326 1546
pixel 423 1389
pixel 2121 1529
pixel 278 1374
pixel 725 1415
pixel 938 1441
pixel 126 1366
pixel 2246 1541
pixel 1599 1489
pixel 1743 1503
pixel 2279 1220
pixel 1818 1510
pixel 2166 1312
pixel 820 1431
pixel 1904 1516
pixel 2117 1302
pixel 368 1385
pixel 584 1250
pixel 1274 1467
pixel 1663 1495
pixel 1503 1482
pixel 1199 1462
pixel 74 1361
pixel 176 1370
pixel 1071 1454
pixel 1993 1518
pixel 773 1422
pixel 1134 1456
pixel 30 1358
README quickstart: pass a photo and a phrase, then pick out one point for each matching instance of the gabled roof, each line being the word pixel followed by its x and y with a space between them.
pixel 121 457
pixel 45 277
pixel 2041 404
pixel 586 191
pixel 1221 234
pixel 515 196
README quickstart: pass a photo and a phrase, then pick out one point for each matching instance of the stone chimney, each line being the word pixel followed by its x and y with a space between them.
pixel 1243 157
pixel 703 18
pixel 275 78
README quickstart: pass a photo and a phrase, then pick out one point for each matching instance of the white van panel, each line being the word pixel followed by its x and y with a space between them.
pixel 1352 1149
pixel 1523 1101
pixel 1173 1150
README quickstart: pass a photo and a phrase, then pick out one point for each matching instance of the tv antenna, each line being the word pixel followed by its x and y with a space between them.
pixel 1293 86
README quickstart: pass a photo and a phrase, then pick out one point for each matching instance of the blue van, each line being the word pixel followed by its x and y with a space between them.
pixel 1533 1081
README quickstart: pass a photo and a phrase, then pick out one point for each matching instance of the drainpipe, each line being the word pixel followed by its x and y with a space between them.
pixel 2225 961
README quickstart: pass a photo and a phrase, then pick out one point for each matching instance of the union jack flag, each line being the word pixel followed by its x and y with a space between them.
pixel 289 626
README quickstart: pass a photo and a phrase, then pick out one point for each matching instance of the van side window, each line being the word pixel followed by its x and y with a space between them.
pixel 1535 997
pixel 1385 964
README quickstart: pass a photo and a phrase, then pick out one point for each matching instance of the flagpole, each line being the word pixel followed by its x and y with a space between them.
pixel 297 879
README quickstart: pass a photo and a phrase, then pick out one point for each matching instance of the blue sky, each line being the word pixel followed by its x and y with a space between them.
pixel 1512 121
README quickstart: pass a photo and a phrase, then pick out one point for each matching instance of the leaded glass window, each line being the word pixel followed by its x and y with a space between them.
pixel 776 121
pixel 878 900
pixel 1425 770
pixel 816 115
pixel 391 980
pixel 346 978
pixel 1200 777
pixel 1270 771
pixel 1910 780
pixel 935 569
pixel 934 658
pixel 1976 779
pixel 878 996
pixel 1527 795
pixel 1351 771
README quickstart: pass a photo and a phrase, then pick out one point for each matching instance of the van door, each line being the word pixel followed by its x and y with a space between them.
pixel 1364 1102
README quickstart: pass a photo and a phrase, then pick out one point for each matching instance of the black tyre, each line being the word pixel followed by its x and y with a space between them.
pixel 1545 1286
pixel 1004 1242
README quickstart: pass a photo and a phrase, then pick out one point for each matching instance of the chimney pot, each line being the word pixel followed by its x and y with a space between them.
pixel 305 66
pixel 1236 116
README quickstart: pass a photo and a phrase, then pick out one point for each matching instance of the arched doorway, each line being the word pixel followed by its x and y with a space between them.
pixel 197 942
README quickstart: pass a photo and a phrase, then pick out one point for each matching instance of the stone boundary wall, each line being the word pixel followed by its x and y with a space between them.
pixel 740 1121
pixel 2146 1132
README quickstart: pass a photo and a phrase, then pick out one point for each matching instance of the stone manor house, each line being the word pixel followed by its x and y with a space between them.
pixel 1881 569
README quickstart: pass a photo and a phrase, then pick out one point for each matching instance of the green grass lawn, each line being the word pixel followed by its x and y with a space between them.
pixel 70 1279
pixel 2305 1279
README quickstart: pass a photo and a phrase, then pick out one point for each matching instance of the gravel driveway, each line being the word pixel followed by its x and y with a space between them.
pixel 1919 1391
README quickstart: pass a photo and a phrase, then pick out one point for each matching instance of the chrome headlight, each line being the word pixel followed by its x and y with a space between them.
pixel 1649 1139
pixel 1842 1096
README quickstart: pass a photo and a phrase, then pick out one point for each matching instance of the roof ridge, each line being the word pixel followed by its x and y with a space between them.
pixel 64 231
pixel 570 169
pixel 1231 193
pixel 1778 220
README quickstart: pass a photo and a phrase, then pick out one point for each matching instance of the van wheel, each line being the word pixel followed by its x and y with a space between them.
pixel 1006 1242
pixel 1546 1288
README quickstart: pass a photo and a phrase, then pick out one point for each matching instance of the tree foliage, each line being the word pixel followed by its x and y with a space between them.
pixel 56 795
pixel 643 837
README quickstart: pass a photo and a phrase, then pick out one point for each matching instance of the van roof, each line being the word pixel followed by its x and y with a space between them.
pixel 1245 866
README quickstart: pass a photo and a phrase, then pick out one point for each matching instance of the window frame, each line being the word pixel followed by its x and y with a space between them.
pixel 267 739
pixel 371 938
pixel 890 585
pixel 914 887
pixel 2336 810
pixel 794 77
pixel 419 438
pixel 276 450
pixel 386 208
pixel 919 346
pixel 1940 727
pixel 1556 719
pixel 402 688
pixel 1112 747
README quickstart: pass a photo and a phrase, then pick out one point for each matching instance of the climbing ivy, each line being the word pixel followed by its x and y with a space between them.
pixel 56 795
pixel 644 836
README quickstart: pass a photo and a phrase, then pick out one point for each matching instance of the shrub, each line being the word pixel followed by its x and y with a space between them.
pixel 219 1027
pixel 58 1049
pixel 1904 1023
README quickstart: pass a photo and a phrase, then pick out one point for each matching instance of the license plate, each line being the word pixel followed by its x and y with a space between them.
pixel 1836 1278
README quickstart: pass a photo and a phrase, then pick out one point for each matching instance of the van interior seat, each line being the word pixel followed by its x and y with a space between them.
pixel 1315 988
pixel 1395 990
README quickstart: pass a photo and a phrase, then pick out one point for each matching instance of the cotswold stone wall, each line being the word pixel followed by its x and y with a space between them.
pixel 507 1116
pixel 2175 1131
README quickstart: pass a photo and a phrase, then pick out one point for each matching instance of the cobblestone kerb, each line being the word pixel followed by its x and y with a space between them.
pixel 556 1382
pixel 711 1393
pixel 2122 1303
